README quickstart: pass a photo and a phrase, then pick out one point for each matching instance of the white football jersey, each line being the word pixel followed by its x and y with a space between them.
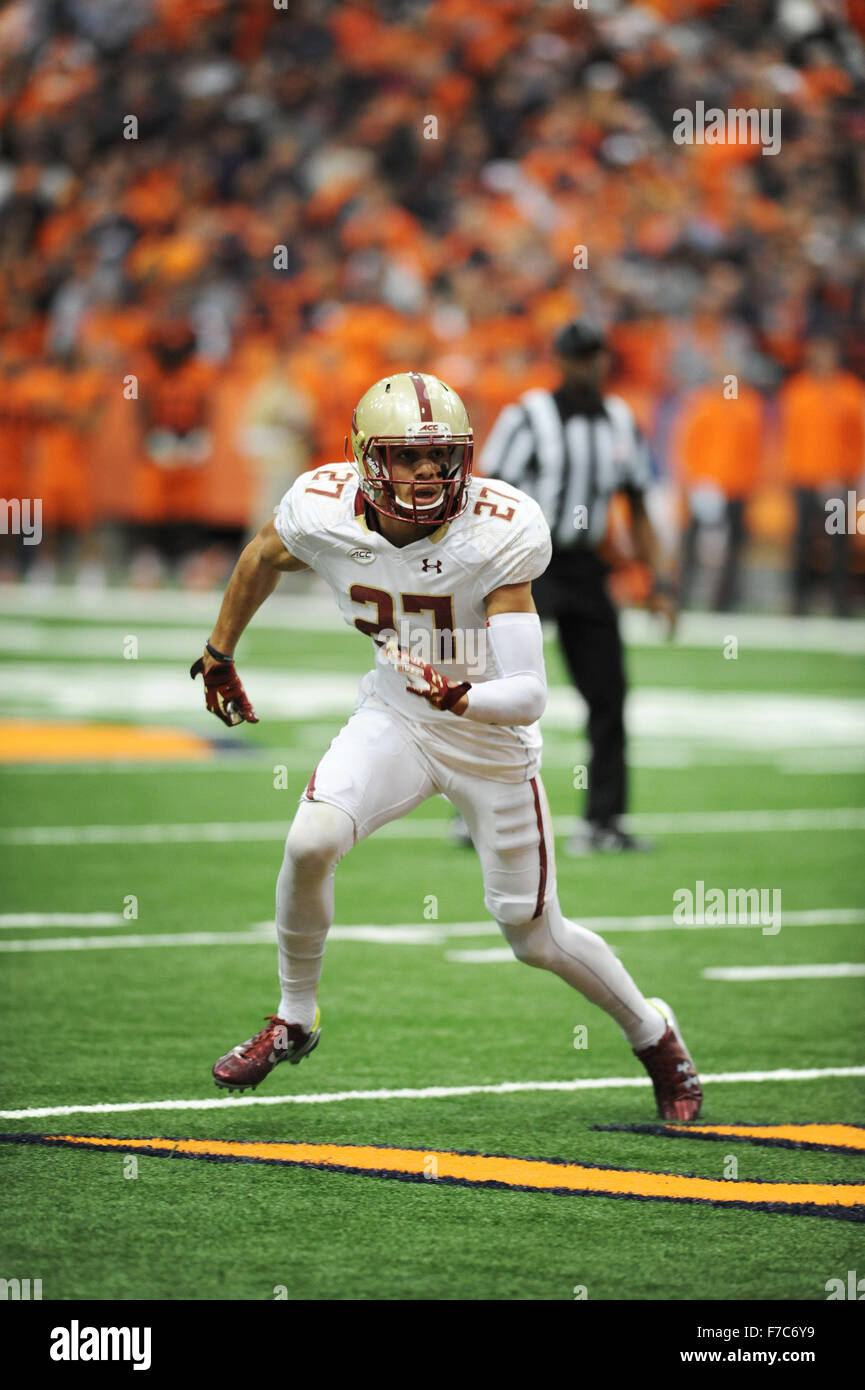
pixel 431 595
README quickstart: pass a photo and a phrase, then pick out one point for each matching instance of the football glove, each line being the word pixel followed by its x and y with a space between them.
pixel 223 693
pixel 423 679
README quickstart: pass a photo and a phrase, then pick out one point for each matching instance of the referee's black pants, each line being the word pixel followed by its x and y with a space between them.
pixel 573 592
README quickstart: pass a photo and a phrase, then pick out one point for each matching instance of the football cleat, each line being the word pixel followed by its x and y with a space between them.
pixel 246 1065
pixel 671 1067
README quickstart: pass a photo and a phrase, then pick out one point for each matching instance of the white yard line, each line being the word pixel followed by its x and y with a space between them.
pixel 303 606
pixel 62 919
pixel 495 955
pixel 416 828
pixel 124 943
pixel 600 1083
pixel 503 955
pixel 654 753
pixel 229 759
pixel 87 643
pixel 783 972
pixel 763 722
pixel 381 936
pixel 811 917
pixel 298 610
pixel 409 934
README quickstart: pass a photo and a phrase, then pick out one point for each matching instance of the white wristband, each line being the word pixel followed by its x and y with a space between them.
pixel 519 695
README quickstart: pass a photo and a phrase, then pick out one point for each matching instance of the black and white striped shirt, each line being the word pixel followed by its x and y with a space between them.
pixel 570 461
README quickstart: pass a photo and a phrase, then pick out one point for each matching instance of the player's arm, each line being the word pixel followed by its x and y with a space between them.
pixel 518 695
pixel 254 579
pixel 515 642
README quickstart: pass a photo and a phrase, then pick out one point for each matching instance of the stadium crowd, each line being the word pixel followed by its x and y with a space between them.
pixel 221 220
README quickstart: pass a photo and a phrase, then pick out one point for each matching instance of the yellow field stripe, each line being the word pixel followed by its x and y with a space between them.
pixel 842 1138
pixel 34 741
pixel 839 1136
pixel 475 1169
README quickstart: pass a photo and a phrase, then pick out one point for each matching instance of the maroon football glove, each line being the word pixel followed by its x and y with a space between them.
pixel 223 692
pixel 425 680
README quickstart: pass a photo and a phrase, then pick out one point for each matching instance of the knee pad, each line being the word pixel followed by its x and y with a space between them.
pixel 320 835
pixel 511 910
pixel 529 940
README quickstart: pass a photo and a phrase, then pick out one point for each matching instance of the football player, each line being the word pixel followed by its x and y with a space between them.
pixel 436 566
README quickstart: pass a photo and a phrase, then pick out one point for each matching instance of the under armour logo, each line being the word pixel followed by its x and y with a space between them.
pixel 428 565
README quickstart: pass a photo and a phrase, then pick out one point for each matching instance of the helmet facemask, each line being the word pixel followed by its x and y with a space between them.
pixel 398 498
pixel 414 411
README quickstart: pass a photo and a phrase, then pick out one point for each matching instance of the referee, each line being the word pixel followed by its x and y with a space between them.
pixel 571 450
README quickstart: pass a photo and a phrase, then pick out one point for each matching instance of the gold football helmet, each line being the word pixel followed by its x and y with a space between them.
pixel 409 409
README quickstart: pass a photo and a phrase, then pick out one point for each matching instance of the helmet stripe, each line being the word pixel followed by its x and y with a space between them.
pixel 423 399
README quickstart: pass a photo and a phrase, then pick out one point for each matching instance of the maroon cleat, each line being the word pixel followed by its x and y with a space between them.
pixel 248 1064
pixel 674 1076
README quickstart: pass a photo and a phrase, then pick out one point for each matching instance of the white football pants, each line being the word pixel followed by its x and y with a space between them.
pixel 375 772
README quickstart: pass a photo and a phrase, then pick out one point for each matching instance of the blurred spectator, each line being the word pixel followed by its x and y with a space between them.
pixel 719 444
pixel 336 189
pixel 823 451
pixel 176 396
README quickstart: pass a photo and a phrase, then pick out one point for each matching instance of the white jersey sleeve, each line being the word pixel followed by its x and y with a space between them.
pixel 514 535
pixel 310 509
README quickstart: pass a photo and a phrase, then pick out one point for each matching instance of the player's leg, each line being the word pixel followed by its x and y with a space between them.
pixel 510 825
pixel 320 836
pixel 371 774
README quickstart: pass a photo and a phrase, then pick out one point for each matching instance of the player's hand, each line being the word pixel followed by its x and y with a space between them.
pixel 425 680
pixel 665 606
pixel 223 693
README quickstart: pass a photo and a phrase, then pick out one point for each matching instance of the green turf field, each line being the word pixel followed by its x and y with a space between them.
pixel 748 773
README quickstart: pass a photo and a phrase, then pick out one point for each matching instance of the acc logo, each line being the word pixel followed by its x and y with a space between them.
pixel 428 429
pixel 363 557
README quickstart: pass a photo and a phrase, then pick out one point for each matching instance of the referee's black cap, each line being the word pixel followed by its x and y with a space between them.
pixel 579 339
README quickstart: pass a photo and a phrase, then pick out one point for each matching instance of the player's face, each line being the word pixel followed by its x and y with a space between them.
pixel 424 465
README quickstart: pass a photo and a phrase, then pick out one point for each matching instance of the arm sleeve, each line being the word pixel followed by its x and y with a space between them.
pixel 519 695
